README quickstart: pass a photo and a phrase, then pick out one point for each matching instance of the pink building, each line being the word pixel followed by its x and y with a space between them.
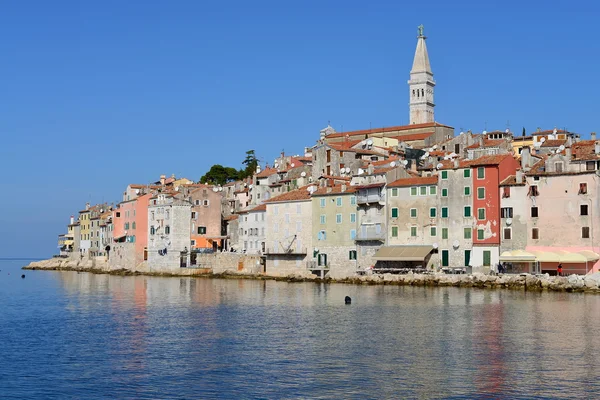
pixel 130 225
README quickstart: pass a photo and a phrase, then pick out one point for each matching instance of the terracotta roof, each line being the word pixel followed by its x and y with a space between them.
pixel 413 136
pixel 345 145
pixel 550 132
pixel 337 189
pixel 489 160
pixel 303 159
pixel 511 180
pixel 388 129
pixel 384 162
pixel 262 207
pixel 294 195
pixel 584 150
pixel 370 185
pixel 554 143
pixel 426 180
pixel 265 173
pixel 244 190
pixel 231 217
pixel 449 164
pixel 488 143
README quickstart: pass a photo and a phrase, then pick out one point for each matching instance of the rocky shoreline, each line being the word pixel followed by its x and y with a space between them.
pixel 573 283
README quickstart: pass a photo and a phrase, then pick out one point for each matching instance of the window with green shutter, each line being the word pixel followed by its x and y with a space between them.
pixel 481 173
pixel 395 192
pixel 467 233
pixel 467 212
pixel 481 193
pixel 444 174
pixel 481 214
pixel 467 257
pixel 413 213
pixel 479 234
pixel 394 231
pixel 445 258
pixel 487 258
pixel 467 173
pixel 413 231
pixel 394 212
pixel 444 192
pixel 352 255
pixel 413 191
pixel 433 231
pixel 444 233
pixel 423 190
pixel 433 190
pixel 467 190
pixel 444 212
pixel 432 212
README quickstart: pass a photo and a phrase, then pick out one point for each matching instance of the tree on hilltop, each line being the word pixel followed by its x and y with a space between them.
pixel 220 175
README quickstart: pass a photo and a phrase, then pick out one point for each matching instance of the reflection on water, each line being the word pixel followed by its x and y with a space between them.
pixel 146 337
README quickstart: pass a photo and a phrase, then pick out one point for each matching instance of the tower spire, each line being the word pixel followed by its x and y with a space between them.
pixel 421 83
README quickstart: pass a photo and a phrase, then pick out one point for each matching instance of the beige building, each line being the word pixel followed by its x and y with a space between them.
pixel 288 233
pixel 334 222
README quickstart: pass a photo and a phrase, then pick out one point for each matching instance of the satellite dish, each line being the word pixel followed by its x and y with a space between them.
pixel 543 139
pixel 434 146
pixel 555 131
pixel 455 244
pixel 435 245
pixel 461 133
pixel 220 189
pixel 405 162
pixel 426 154
pixel 508 221
pixel 393 164
pixel 292 165
pixel 215 189
pixel 276 165
pixel 232 210
pixel 303 174
pixel 440 165
pixel 561 147
pixel 484 132
pixel 507 130
pixel 137 191
pixel 361 171
pixel 430 149
pixel 370 142
pixel 250 186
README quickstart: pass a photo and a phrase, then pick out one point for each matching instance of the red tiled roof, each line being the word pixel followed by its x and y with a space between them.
pixel 584 150
pixel 426 180
pixel 370 185
pixel 265 173
pixel 294 195
pixel 489 160
pixel 345 145
pixel 388 129
pixel 262 207
pixel 550 132
pixel 231 217
pixel 511 180
pixel 413 136
pixel 337 189
pixel 335 178
pixel 554 143
pixel 384 162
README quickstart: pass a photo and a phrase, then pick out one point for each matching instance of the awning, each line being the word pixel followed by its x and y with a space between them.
pixel 517 256
pixel 590 255
pixel 545 256
pixel 402 253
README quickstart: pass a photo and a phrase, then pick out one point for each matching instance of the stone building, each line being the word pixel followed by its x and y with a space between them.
pixel 334 222
pixel 288 233
pixel 252 226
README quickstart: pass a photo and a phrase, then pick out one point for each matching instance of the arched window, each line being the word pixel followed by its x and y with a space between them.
pixel 152 230
pixel 167 229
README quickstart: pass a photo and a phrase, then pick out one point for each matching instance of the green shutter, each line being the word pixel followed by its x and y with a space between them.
pixel 487 258
pixel 444 192
pixel 444 233
pixel 479 234
pixel 444 174
pixel 467 211
pixel 445 258
pixel 394 212
pixel 444 212
pixel 480 173
pixel 432 212
pixel 467 190
pixel 467 257
pixel 467 173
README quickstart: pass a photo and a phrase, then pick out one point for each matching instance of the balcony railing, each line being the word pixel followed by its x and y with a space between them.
pixel 281 251
pixel 371 198
pixel 370 234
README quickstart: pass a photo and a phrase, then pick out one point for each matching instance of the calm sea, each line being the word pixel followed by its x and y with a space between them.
pixel 66 335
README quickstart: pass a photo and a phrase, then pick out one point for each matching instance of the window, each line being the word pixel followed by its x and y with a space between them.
pixel 444 212
pixel 275 227
pixel 506 192
pixel 338 202
pixel 413 213
pixel 298 227
pixel 480 234
pixel 323 219
pixel 445 258
pixel 167 229
pixel 583 209
pixel 276 209
pixel 202 230
pixel 395 192
pixel 467 233
pixel 481 214
pixel 413 191
pixel 394 212
pixel 467 257
pixel 126 225
pixel 487 258
pixel 152 230
pixel 585 232
pixel 507 234
pixel 433 190
pixel 119 215
pixel 444 192
pixel 133 225
pixel 506 212
pixel 583 188
pixel 394 231
pixel 444 233
pixel 534 212
pixel 338 218
pixel 353 200
pixel 413 231
pixel 298 208
pixel 197 202
pixel 558 167
pixel 287 218
pixel 467 190
pixel 433 231
pixel 352 234
pixel 432 212
pixel 480 173
pixel 533 191
pixel 481 193
pixel 353 217
pixel 193 215
pixel 466 173
pixel 322 258
pixel 444 174
pixel 423 191
pixel 590 165
pixel 352 255
pixel 322 201
pixel 535 233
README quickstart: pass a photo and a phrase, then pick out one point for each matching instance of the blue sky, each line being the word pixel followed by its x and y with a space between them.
pixel 96 95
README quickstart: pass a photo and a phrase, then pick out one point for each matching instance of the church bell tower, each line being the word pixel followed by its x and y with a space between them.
pixel 421 84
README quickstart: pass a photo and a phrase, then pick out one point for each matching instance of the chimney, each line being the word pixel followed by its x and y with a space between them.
pixel 343 188
pixel 568 153
pixel 72 220
pixel 593 136
pixel 519 176
pixel 480 140
pixel 413 165
pixel 456 162
pixel 162 179
pixel 525 158
pixel 370 169
pixel 329 189
pixel 87 206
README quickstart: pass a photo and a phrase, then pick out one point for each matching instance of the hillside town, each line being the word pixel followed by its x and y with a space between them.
pixel 417 197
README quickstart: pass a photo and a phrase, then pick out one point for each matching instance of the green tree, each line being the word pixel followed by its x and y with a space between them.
pixel 251 162
pixel 220 175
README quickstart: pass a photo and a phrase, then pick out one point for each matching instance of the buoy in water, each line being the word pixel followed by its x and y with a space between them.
pixel 348 300
pixel 23 276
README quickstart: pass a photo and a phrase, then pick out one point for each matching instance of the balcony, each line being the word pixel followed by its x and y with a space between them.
pixel 293 251
pixel 369 199
pixel 372 232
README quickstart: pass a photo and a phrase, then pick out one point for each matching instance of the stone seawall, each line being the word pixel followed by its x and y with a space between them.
pixel 246 267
